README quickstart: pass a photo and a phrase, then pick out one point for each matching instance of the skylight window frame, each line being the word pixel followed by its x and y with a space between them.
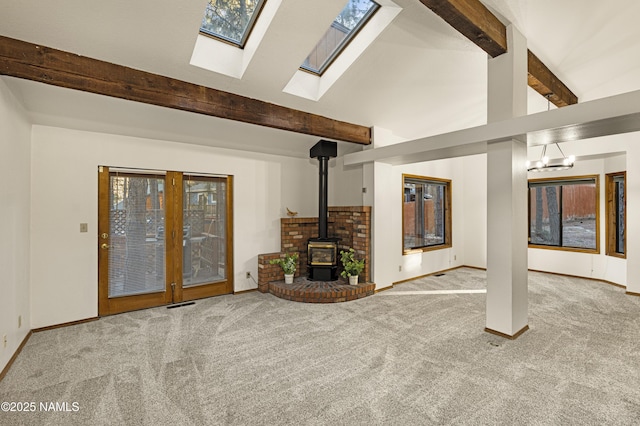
pixel 247 32
pixel 344 43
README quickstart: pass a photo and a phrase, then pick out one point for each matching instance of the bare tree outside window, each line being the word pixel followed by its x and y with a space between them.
pixel 230 20
pixel 554 215
pixel 354 12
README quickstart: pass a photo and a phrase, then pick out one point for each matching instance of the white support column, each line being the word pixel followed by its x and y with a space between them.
pixel 507 310
pixel 378 178
pixel 507 237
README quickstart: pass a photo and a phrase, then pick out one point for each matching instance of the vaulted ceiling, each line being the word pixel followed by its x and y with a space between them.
pixel 419 77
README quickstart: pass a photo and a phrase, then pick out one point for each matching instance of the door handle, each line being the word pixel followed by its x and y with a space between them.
pixel 104 246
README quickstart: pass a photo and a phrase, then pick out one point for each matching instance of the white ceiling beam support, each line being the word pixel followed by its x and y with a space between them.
pixel 507 80
pixel 506 312
pixel 601 117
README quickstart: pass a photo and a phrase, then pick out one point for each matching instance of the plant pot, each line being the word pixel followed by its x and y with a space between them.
pixel 288 278
pixel 353 280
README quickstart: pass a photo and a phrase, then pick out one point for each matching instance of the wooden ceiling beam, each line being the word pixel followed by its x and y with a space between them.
pixel 473 20
pixel 543 81
pixel 59 68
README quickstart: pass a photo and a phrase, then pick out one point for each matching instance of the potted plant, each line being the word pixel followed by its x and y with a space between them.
pixel 288 264
pixel 351 267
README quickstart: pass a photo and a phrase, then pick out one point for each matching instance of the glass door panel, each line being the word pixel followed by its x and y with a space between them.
pixel 131 242
pixel 136 230
pixel 204 231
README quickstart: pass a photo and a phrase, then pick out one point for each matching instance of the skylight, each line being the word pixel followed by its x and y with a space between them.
pixel 230 20
pixel 346 25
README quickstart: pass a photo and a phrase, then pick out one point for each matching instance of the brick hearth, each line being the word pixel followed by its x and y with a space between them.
pixel 303 290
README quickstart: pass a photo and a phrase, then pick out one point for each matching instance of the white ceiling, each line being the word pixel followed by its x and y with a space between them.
pixel 420 77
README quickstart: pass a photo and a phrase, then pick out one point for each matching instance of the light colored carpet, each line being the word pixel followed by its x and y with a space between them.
pixel 387 359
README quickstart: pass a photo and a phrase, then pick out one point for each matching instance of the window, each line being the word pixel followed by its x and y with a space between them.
pixel 230 20
pixel 426 213
pixel 616 214
pixel 563 213
pixel 346 25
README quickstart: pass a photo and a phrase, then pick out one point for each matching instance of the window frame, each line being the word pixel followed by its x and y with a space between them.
pixel 611 214
pixel 447 214
pixel 343 44
pixel 596 181
pixel 247 32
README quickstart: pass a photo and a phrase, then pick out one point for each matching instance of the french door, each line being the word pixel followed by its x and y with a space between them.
pixel 164 237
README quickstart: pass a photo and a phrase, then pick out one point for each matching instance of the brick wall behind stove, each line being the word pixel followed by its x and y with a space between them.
pixel 294 233
pixel 351 224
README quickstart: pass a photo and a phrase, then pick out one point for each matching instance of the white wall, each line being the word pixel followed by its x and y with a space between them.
pixel 345 183
pixel 64 194
pixel 15 148
pixel 474 210
pixel 390 264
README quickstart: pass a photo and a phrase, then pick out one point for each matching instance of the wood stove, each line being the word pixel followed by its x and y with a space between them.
pixel 322 259
pixel 322 252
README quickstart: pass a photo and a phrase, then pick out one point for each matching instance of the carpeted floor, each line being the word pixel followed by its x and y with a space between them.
pixel 406 356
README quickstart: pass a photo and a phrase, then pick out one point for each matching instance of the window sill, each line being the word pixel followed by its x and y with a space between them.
pixel 425 249
pixel 571 249
pixel 618 255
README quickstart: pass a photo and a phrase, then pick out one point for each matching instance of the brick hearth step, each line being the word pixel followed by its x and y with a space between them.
pixel 304 290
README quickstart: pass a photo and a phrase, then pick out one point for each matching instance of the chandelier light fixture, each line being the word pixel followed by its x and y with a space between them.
pixel 544 164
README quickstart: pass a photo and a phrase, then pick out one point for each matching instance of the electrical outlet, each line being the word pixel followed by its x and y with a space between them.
pixel 19 321
pixel 84 227
pixel 400 268
pixel 455 257
pixel 4 341
pixel 248 275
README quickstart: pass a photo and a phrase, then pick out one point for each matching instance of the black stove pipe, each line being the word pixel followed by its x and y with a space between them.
pixel 323 196
pixel 323 150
